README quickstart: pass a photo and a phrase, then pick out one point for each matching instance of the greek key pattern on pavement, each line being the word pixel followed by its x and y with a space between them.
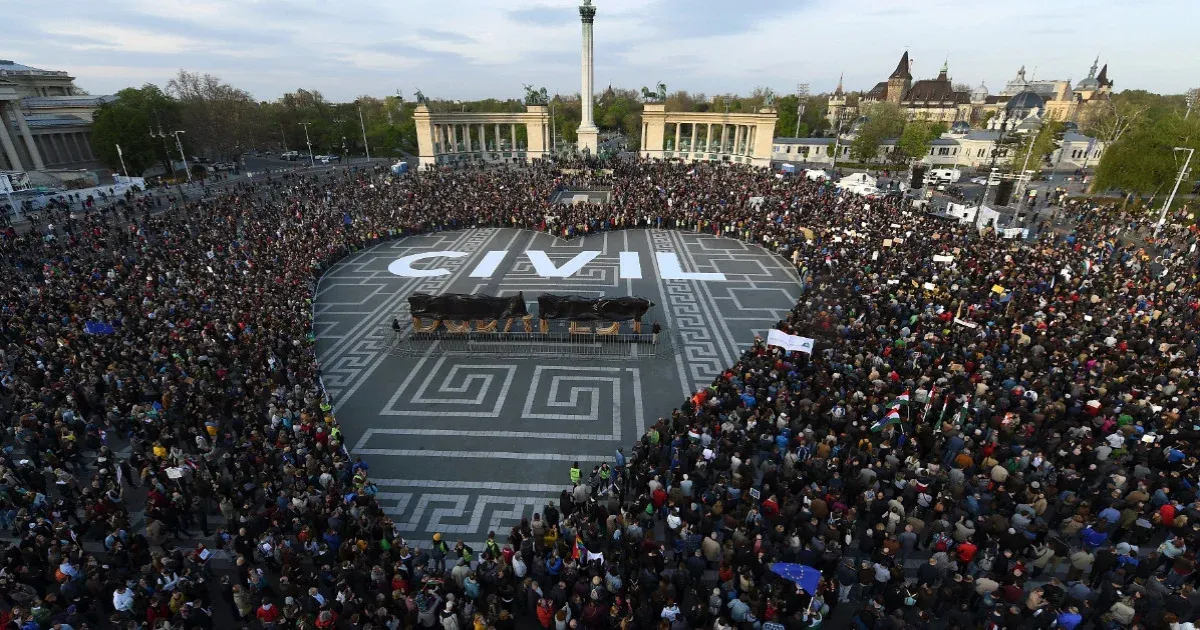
pixel 346 368
pixel 697 342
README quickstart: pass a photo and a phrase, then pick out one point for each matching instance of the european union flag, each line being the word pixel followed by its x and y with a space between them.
pixel 803 575
pixel 98 328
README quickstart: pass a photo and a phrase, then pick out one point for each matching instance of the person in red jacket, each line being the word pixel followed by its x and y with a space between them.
pixel 966 551
pixel 267 614
pixel 545 612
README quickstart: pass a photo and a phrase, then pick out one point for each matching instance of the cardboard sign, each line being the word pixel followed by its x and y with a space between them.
pixel 997 289
pixel 887 242
pixel 941 258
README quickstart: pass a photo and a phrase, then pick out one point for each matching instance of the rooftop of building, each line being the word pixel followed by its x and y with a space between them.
pixel 10 67
pixel 812 141
pixel 85 100
pixel 46 121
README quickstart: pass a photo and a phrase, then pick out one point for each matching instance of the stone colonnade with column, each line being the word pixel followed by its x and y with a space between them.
pixel 455 137
pixel 740 138
pixel 20 149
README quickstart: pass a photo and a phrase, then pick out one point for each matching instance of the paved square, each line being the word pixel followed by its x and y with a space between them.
pixel 467 444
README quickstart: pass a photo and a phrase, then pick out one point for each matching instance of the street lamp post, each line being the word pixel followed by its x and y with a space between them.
pixel 163 136
pixel 179 145
pixel 283 137
pixel 366 147
pixel 801 96
pixel 1162 216
pixel 121 156
pixel 312 161
pixel 837 138
pixel 1022 180
pixel 987 184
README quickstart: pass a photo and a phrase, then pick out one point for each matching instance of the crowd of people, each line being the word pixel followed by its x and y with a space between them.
pixel 989 433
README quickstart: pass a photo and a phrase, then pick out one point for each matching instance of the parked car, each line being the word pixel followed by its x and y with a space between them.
pixel 291 156
pixel 326 159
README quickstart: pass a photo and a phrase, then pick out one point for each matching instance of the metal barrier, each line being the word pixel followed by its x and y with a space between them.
pixel 620 347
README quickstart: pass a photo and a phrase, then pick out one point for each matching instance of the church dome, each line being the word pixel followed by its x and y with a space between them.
pixel 960 126
pixel 979 94
pixel 858 123
pixel 1070 126
pixel 1024 103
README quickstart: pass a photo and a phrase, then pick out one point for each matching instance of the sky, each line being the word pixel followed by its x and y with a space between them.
pixel 473 49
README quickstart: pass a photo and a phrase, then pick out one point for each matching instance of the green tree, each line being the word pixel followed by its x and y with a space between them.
pixel 128 121
pixel 1034 147
pixel 1143 160
pixel 917 138
pixel 884 121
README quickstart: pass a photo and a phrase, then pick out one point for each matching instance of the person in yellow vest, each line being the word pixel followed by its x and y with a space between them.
pixel 575 473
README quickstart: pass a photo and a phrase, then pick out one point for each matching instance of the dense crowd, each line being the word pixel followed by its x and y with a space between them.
pixel 1002 437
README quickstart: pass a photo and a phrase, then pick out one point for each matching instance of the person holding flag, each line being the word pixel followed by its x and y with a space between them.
pixel 893 413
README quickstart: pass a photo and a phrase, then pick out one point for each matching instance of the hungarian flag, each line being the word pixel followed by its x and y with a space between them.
pixel 902 399
pixel 891 417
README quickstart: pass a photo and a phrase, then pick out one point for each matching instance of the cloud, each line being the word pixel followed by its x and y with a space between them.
pixel 118 37
pixel 542 16
pixel 480 48
pixel 455 38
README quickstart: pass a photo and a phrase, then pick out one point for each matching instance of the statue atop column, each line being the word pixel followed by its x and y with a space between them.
pixel 420 97
pixel 536 97
pixel 769 98
pixel 658 96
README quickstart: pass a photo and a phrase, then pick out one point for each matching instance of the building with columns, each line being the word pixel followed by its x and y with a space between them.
pixel 45 122
pixel 445 138
pixel 741 138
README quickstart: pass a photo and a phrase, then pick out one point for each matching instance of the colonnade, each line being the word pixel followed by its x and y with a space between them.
pixel 477 137
pixel 703 137
pixel 8 141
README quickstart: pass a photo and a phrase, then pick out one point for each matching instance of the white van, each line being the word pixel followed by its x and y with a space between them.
pixel 944 175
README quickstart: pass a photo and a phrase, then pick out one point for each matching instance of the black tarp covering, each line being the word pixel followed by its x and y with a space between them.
pixel 576 308
pixel 460 306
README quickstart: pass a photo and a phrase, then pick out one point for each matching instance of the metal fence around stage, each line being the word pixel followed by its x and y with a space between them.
pixel 619 347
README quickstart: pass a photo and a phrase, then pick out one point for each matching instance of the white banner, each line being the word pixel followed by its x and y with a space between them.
pixel 791 343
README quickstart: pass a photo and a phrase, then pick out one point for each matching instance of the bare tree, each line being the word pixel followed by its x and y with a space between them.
pixel 220 120
pixel 1108 120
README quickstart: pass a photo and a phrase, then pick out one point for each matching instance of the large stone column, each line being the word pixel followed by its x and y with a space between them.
pixel 692 147
pixel 10 149
pixel 588 134
pixel 78 147
pixel 512 128
pixel 708 145
pixel 496 129
pixel 34 154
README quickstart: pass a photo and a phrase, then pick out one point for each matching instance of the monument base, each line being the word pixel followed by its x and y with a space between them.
pixel 589 140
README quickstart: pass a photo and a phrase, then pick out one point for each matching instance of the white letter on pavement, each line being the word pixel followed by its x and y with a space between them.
pixel 546 269
pixel 487 266
pixel 631 266
pixel 669 269
pixel 403 266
